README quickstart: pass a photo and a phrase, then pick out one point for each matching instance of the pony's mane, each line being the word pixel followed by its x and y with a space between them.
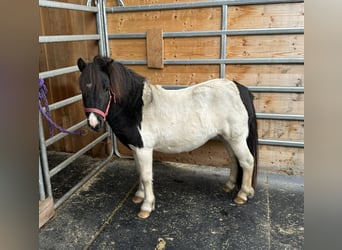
pixel 125 82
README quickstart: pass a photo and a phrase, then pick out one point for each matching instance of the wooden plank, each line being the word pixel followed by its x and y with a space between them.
pixel 267 75
pixel 281 159
pixel 266 16
pixel 283 103
pixel 168 20
pixel 155 48
pixel 174 48
pixel 128 49
pixel 178 74
pixel 46 210
pixel 265 46
pixel 192 48
pixel 281 130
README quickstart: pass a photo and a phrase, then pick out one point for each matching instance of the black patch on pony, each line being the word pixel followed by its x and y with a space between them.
pixel 252 139
pixel 124 116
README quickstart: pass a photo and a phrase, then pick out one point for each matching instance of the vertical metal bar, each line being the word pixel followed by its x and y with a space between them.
pixel 99 25
pixel 107 53
pixel 41 183
pixel 105 29
pixel 224 14
pixel 43 154
pixel 115 149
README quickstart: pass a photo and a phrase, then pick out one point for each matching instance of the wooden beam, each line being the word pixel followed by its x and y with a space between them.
pixel 155 48
pixel 46 210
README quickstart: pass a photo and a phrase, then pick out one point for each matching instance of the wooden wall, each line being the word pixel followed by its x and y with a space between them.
pixel 275 158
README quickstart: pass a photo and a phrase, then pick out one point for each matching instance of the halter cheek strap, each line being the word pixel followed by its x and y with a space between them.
pixel 100 112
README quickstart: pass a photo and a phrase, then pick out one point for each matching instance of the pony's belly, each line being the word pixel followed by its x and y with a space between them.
pixel 172 147
pixel 184 137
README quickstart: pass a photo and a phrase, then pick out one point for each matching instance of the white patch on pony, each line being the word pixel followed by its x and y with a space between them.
pixel 181 120
pixel 93 120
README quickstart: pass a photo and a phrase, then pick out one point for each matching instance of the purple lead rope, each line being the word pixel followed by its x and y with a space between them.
pixel 44 109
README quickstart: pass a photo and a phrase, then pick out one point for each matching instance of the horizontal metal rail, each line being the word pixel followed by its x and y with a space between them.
pixel 190 5
pixel 275 116
pixel 58 72
pixel 274 142
pixel 83 150
pixel 237 61
pixel 61 135
pixel 295 144
pixel 276 89
pixel 209 33
pixel 65 102
pixel 220 61
pixel 67 38
pixel 273 89
pixel 68 6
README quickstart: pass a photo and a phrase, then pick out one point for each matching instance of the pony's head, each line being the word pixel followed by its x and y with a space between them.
pixel 96 90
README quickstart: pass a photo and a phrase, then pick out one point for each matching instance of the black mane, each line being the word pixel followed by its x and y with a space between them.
pixel 125 115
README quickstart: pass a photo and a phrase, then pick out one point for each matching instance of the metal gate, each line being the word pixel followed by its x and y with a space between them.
pixel 45 174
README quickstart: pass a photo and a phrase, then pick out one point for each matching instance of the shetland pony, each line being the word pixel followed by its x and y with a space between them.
pixel 147 117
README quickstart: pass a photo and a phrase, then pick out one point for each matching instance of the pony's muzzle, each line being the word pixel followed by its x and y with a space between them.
pixel 94 121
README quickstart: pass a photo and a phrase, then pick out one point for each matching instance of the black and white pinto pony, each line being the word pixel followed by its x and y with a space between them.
pixel 147 117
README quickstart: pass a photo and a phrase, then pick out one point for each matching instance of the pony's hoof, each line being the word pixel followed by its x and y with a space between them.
pixel 227 189
pixel 239 201
pixel 137 199
pixel 144 214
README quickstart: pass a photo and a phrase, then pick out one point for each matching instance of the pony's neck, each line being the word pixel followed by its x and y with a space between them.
pixel 125 82
pixel 128 87
pixel 125 115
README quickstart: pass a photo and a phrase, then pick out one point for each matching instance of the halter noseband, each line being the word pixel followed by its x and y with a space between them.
pixel 100 112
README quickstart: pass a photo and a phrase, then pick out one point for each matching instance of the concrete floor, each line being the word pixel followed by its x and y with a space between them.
pixel 192 211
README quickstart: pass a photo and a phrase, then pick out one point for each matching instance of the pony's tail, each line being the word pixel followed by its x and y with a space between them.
pixel 252 139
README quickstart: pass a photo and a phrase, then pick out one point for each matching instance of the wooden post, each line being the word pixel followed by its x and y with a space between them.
pixel 46 210
pixel 155 48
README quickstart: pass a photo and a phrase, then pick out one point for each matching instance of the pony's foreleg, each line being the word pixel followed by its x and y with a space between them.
pixel 246 161
pixel 140 193
pixel 144 161
pixel 230 184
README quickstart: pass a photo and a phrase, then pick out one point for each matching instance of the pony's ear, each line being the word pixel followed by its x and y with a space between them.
pixel 107 64
pixel 81 64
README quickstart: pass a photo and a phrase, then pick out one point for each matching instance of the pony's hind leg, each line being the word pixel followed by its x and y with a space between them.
pixel 230 184
pixel 246 161
pixel 144 161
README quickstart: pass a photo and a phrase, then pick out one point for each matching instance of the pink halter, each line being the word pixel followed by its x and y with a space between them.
pixel 100 112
